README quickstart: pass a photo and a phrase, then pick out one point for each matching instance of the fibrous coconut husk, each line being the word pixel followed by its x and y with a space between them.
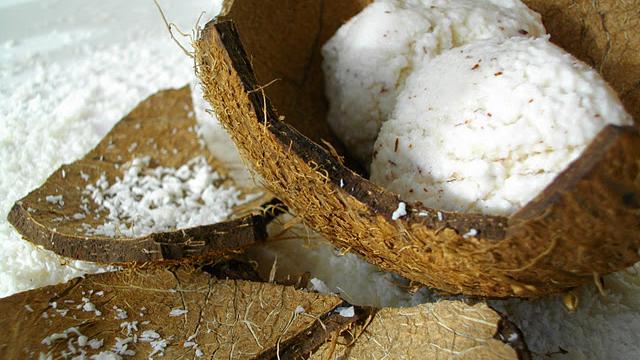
pixel 442 330
pixel 164 128
pixel 225 318
pixel 257 69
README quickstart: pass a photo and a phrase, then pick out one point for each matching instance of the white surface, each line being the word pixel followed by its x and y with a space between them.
pixel 366 62
pixel 486 127
pixel 68 71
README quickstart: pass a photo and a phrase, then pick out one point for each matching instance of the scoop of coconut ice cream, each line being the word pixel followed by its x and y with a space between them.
pixel 485 127
pixel 367 60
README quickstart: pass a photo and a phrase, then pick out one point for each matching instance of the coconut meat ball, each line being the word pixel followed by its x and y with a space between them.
pixel 486 127
pixel 366 61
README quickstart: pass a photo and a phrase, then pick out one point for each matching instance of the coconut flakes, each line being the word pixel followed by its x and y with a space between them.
pixel 177 312
pixel 400 211
pixel 155 199
pixel 470 233
pixel 121 314
pixel 55 199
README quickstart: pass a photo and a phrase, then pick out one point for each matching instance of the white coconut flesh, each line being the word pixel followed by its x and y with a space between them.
pixel 485 127
pixel 366 61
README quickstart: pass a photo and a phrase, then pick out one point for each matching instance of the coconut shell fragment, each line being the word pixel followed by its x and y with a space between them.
pixel 191 312
pixel 164 128
pixel 262 75
pixel 187 312
pixel 442 330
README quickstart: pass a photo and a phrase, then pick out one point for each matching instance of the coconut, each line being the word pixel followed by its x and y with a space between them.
pixel 225 310
pixel 164 311
pixel 584 223
pixel 400 333
pixel 366 61
pixel 485 127
pixel 64 214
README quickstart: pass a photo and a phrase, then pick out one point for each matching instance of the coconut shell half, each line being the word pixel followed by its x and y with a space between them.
pixel 260 69
pixel 164 128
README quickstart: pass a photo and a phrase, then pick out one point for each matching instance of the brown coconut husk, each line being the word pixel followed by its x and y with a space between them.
pixel 442 330
pixel 230 317
pixel 583 225
pixel 164 128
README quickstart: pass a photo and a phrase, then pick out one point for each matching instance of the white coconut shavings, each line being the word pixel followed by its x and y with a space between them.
pixel 155 199
pixel 88 306
pixel 130 326
pixel 366 61
pixel 49 340
pixel 400 211
pixel 470 233
pixel 299 310
pixel 65 82
pixel 177 312
pixel 55 199
pixel 158 344
pixel 95 343
pixel 82 340
pixel 84 176
pixel 346 311
pixel 121 314
pixel 121 347
pixel 190 343
pixel 158 347
pixel 484 128
pixel 149 335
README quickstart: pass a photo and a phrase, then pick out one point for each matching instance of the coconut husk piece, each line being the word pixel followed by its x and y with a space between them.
pixel 229 317
pixel 442 330
pixel 257 69
pixel 225 317
pixel 164 128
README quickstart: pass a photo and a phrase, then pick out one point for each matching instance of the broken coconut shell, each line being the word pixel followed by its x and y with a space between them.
pixel 441 330
pixel 223 318
pixel 164 128
pixel 213 314
pixel 586 223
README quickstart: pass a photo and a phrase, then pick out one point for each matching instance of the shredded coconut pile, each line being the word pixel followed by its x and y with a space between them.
pixel 485 127
pixel 154 199
pixel 65 80
pixel 367 60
